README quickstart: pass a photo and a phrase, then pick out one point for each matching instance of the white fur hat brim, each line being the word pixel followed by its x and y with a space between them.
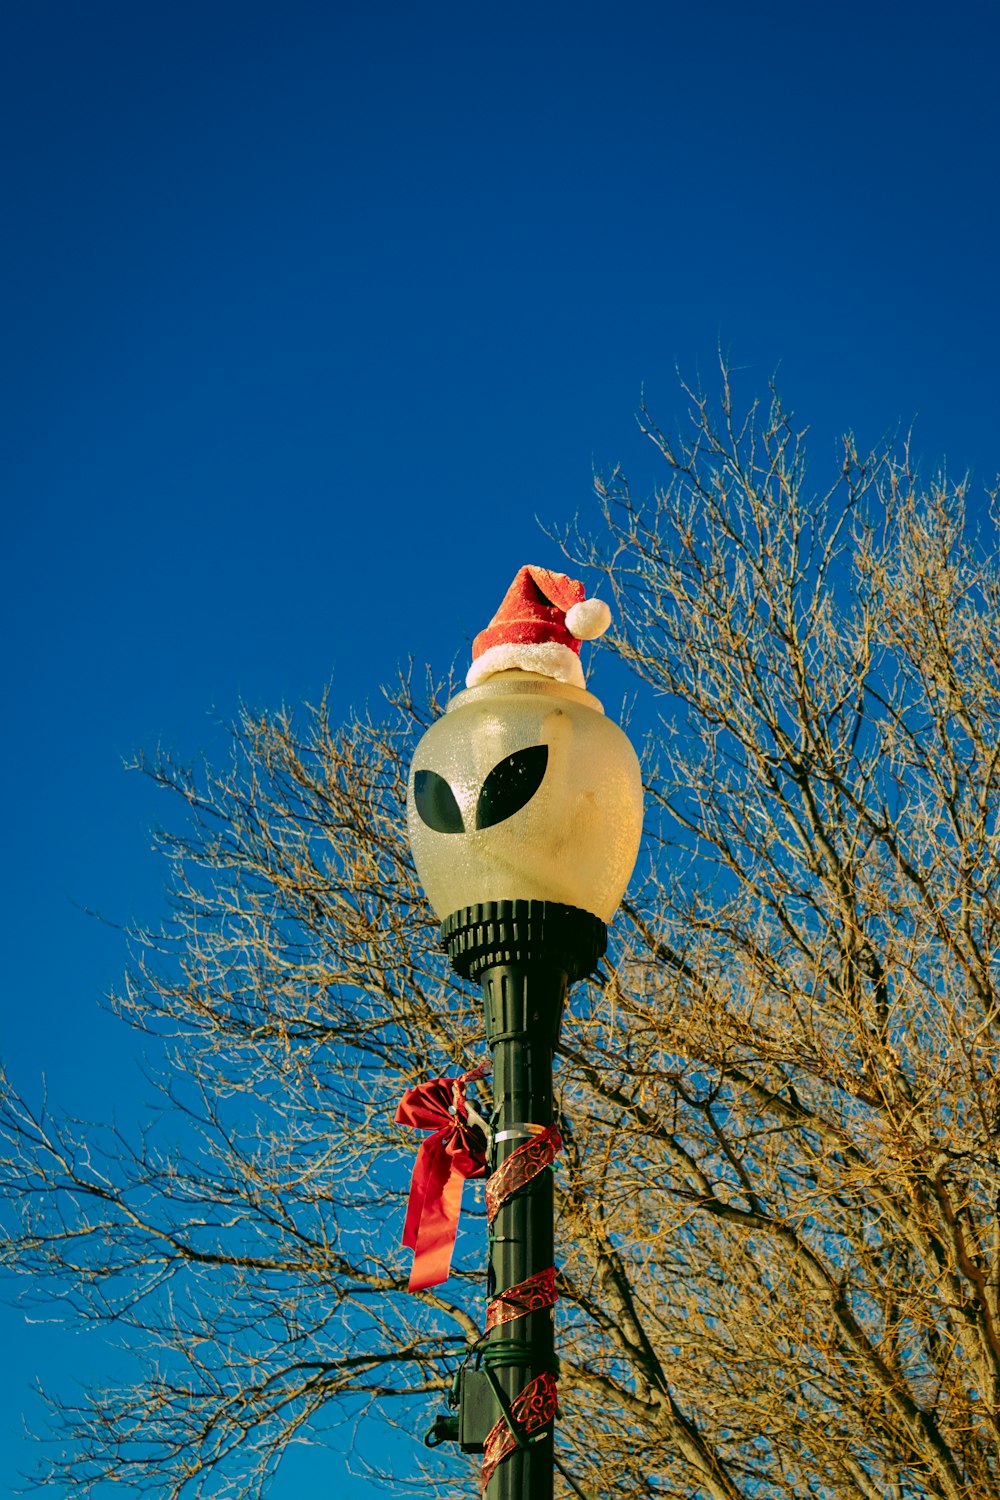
pixel 548 658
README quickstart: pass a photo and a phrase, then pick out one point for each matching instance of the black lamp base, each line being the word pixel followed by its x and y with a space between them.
pixel 563 938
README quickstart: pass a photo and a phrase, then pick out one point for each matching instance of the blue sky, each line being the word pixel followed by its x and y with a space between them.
pixel 310 310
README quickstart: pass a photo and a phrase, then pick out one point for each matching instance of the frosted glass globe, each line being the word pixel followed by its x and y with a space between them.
pixel 524 791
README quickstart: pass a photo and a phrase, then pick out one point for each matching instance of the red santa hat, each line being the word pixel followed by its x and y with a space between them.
pixel 538 628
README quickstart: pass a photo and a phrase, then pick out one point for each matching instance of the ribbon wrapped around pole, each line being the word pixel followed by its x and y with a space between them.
pixel 454 1151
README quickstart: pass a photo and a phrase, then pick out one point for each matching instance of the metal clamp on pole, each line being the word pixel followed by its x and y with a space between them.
pixel 518 1131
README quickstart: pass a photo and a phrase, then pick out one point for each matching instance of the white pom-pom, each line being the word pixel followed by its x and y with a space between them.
pixel 588 619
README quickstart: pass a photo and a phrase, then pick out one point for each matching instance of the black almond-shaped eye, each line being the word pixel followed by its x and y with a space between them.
pixel 510 784
pixel 436 803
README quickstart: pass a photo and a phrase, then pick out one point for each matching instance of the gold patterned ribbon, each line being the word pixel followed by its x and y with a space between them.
pixel 520 1167
pixel 532 1410
pixel 532 1295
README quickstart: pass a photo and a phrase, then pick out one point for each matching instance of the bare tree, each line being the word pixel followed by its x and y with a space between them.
pixel 778 1228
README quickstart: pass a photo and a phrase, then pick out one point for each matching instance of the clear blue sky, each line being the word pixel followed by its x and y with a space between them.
pixel 310 309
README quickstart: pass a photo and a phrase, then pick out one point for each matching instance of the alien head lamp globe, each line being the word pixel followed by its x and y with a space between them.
pixel 524 791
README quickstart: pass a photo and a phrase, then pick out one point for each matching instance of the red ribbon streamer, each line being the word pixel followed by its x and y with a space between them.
pixel 531 1409
pixel 454 1151
pixel 520 1167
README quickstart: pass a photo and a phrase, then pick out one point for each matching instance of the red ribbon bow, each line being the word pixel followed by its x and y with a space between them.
pixel 454 1151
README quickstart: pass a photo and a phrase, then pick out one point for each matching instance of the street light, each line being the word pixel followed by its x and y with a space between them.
pixel 524 814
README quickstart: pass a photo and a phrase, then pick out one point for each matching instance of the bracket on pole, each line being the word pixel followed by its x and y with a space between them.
pixel 478 1413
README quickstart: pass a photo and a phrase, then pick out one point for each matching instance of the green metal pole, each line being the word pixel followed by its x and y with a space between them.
pixel 525 955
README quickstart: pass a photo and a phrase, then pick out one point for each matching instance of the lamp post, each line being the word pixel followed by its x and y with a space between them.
pixel 524 812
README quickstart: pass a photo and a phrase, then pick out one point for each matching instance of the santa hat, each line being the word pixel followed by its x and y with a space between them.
pixel 538 628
